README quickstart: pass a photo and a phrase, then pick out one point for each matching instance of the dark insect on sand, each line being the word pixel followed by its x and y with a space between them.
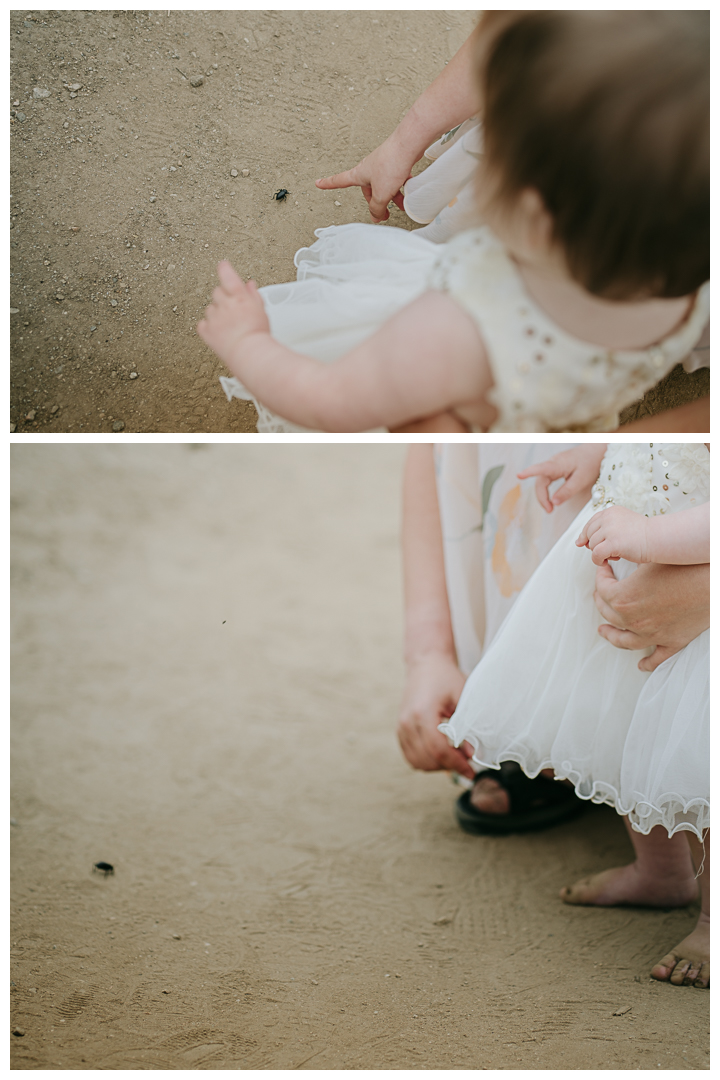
pixel 281 194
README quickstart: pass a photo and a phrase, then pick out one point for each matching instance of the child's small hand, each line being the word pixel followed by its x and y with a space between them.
pixel 578 467
pixel 237 310
pixel 616 533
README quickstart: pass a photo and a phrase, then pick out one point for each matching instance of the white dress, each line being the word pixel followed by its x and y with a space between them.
pixel 355 277
pixel 549 692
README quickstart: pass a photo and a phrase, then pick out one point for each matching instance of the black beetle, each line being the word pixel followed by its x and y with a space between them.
pixel 105 868
pixel 281 194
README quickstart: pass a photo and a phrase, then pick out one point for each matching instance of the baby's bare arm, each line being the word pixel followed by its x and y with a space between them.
pixel 619 533
pixel 427 358
pixel 682 538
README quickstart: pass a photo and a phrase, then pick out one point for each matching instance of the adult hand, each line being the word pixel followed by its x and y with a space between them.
pixel 578 467
pixel 380 176
pixel 658 606
pixel 432 690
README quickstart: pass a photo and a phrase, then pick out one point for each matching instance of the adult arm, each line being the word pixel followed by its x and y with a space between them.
pixel 433 680
pixel 658 606
pixel 451 98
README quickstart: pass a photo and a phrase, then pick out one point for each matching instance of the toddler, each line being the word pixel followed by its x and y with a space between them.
pixel 582 288
pixel 550 693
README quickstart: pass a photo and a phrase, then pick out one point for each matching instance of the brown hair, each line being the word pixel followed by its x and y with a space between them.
pixel 606 115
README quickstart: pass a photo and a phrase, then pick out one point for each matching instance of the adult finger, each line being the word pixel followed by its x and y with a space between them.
pixel 606 584
pixel 399 200
pixel 608 613
pixel 429 750
pixel 546 473
pixel 656 658
pixel 378 207
pixel 349 178
pixel 573 484
pixel 621 639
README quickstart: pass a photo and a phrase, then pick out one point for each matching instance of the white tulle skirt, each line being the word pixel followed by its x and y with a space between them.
pixel 351 281
pixel 551 693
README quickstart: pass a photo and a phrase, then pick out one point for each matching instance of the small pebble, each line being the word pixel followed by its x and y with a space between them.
pixel 13 429
pixel 133 374
pixel 118 425
pixel 246 172
pixel 75 86
pixel 40 93
pixel 197 80
pixel 30 415
pixel 54 409
pixel 178 937
pixel 74 228
pixel 73 95
pixel 153 198
pixel 165 991
pixel 621 1012
pixel 20 116
pixel 171 266
pixel 14 310
pixel 16 102
pixel 233 172
pixel 114 303
pixel 337 203
pixel 19 1032
pixel 173 169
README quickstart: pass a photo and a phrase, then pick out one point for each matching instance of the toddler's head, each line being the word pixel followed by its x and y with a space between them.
pixel 605 114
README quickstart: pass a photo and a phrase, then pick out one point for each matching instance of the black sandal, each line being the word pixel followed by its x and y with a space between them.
pixel 534 804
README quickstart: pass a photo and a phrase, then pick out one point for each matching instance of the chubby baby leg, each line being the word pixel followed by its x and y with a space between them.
pixel 662 875
pixel 688 964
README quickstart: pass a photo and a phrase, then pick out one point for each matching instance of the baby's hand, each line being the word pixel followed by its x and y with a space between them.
pixel 236 312
pixel 579 467
pixel 616 533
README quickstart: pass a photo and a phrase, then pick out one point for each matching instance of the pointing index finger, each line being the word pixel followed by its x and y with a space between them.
pixel 340 180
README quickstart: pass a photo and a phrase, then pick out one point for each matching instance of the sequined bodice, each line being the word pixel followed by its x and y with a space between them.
pixel 545 379
pixel 653 478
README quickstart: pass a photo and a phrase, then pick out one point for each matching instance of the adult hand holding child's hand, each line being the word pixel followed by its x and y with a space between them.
pixel 236 312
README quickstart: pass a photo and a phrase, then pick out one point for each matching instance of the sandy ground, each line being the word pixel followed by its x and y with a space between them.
pixel 123 199
pixel 207 675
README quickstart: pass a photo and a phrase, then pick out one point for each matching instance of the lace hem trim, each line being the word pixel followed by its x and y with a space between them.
pixel 668 810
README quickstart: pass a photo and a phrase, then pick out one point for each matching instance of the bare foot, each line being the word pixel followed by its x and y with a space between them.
pixel 688 964
pixel 630 885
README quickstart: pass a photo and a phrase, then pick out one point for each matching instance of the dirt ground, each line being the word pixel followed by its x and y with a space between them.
pixel 207 668
pixel 123 197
